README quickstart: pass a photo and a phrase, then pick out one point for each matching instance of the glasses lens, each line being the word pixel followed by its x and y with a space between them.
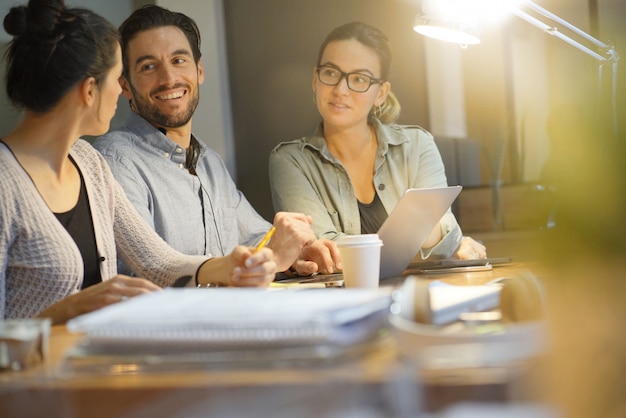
pixel 359 82
pixel 329 75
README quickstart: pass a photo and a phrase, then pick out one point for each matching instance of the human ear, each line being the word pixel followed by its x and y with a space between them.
pixel 200 72
pixel 125 87
pixel 384 90
pixel 314 80
pixel 88 90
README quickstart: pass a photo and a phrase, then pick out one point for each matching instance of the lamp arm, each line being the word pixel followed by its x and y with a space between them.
pixel 562 22
pixel 555 32
pixel 611 54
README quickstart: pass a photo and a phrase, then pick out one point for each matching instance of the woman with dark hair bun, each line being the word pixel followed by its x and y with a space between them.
pixel 63 218
pixel 52 49
pixel 351 172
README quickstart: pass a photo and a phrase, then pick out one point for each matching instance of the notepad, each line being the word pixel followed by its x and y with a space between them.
pixel 205 319
pixel 448 302
pixel 444 303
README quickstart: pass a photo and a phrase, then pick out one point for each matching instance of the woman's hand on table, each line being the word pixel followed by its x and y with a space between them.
pixel 98 296
pixel 470 249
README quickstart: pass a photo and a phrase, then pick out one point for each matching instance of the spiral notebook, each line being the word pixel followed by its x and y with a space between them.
pixel 181 321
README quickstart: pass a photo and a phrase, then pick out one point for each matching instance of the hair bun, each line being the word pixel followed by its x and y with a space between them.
pixel 15 21
pixel 41 18
pixel 44 17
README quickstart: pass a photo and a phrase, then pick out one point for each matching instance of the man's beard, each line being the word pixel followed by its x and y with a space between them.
pixel 152 114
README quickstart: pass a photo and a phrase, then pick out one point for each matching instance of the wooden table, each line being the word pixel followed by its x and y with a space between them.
pixel 377 381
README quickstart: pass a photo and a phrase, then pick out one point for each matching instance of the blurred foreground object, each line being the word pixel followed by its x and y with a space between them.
pixel 23 343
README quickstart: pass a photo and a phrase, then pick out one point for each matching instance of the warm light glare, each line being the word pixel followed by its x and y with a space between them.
pixel 449 9
pixel 495 11
pixel 446 33
pixel 457 20
pixel 448 20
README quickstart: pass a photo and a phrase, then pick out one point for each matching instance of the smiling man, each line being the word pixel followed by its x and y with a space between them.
pixel 178 184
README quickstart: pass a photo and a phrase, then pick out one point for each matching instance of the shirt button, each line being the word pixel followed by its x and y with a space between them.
pixel 381 187
pixel 179 150
pixel 181 165
pixel 166 155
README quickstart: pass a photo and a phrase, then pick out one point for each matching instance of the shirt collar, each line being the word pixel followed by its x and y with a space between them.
pixel 388 135
pixel 150 134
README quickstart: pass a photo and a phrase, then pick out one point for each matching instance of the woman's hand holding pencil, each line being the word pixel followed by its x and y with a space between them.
pixel 244 267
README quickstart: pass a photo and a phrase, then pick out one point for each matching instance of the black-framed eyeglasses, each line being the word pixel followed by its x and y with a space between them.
pixel 357 82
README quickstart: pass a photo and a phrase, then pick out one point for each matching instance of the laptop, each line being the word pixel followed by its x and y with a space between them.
pixel 409 224
pixel 404 231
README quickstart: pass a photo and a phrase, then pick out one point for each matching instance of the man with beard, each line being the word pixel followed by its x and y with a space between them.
pixel 178 184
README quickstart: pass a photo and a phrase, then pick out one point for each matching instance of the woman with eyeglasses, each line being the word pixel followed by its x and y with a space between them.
pixel 63 217
pixel 351 172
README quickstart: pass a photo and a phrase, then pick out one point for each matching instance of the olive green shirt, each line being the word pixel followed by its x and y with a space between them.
pixel 305 177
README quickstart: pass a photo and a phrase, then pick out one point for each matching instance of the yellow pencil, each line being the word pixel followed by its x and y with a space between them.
pixel 265 239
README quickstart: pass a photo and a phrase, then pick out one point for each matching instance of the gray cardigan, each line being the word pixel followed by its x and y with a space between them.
pixel 40 263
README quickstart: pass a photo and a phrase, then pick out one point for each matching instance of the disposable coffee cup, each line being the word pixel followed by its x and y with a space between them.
pixel 360 257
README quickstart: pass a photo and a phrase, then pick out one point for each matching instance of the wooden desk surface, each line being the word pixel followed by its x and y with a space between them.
pixel 366 377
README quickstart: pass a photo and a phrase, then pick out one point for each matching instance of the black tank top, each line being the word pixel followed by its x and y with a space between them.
pixel 78 223
pixel 372 215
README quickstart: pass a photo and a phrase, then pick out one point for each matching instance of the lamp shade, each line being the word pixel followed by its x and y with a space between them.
pixel 450 30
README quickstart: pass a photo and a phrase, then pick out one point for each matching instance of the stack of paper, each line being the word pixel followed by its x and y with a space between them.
pixel 204 320
pixel 438 303
pixel 448 302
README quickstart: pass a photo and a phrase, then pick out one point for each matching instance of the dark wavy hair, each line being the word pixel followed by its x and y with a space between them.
pixel 53 48
pixel 151 16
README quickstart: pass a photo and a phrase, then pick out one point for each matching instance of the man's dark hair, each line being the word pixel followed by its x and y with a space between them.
pixel 151 16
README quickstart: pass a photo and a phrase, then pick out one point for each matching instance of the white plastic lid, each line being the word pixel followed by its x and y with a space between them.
pixel 359 240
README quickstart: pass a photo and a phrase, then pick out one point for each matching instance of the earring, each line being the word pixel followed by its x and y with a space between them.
pixel 378 110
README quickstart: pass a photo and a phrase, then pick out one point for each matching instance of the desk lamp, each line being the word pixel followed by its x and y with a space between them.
pixel 456 21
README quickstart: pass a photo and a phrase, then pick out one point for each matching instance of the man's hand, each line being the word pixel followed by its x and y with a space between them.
pixel 321 256
pixel 293 234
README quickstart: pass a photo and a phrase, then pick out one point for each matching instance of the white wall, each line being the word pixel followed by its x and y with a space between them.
pixel 446 100
pixel 531 100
